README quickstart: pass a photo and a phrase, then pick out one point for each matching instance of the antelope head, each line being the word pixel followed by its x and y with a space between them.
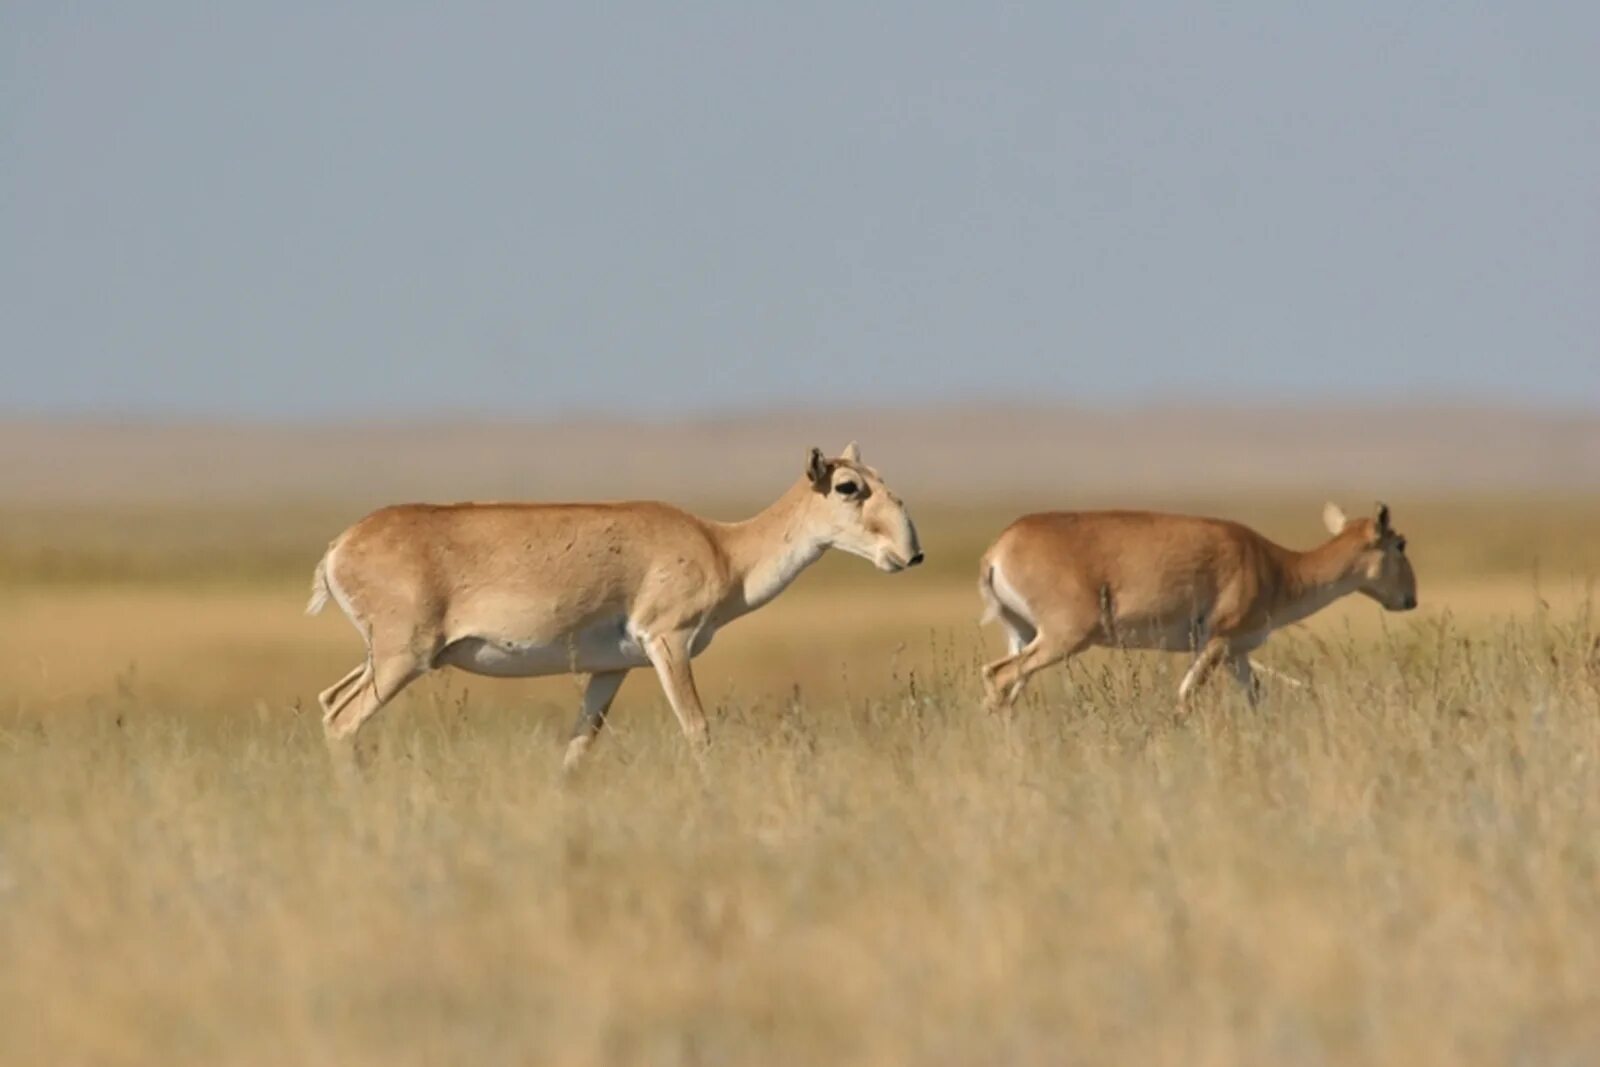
pixel 852 509
pixel 1384 570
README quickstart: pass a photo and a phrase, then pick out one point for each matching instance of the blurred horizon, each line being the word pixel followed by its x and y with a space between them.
pixel 298 212
pixel 1580 408
pixel 970 453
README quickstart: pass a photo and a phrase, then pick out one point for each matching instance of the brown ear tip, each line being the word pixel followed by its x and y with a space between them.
pixel 816 465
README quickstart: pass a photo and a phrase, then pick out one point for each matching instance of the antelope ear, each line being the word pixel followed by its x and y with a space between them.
pixel 1333 518
pixel 817 469
pixel 851 453
pixel 1383 518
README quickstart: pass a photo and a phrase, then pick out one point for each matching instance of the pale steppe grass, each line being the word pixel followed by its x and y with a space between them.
pixel 1398 864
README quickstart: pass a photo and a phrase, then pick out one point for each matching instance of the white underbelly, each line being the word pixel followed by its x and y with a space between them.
pixel 511 659
pixel 606 646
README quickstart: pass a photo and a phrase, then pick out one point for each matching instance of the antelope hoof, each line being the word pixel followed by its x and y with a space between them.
pixel 577 748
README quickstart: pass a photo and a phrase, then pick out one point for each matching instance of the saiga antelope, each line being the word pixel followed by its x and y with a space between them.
pixel 1062 581
pixel 518 590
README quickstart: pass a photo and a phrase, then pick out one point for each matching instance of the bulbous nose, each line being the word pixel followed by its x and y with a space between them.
pixel 915 559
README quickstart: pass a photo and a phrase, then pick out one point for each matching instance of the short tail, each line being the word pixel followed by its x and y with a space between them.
pixel 319 586
pixel 991 603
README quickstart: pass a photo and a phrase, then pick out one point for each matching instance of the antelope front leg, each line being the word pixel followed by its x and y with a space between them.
pixel 670 657
pixel 1213 653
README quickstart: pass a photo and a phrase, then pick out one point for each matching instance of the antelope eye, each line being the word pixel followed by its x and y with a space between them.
pixel 846 488
pixel 1400 545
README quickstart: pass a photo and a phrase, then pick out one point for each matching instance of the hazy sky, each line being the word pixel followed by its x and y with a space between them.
pixel 310 209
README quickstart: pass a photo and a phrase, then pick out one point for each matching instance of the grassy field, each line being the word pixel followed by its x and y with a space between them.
pixel 1398 863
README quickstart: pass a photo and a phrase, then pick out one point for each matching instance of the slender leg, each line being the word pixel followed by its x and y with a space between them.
pixel 354 703
pixel 1239 665
pixel 669 655
pixel 335 695
pixel 360 703
pixel 1003 679
pixel 997 680
pixel 343 693
pixel 1264 671
pixel 597 698
pixel 1213 653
